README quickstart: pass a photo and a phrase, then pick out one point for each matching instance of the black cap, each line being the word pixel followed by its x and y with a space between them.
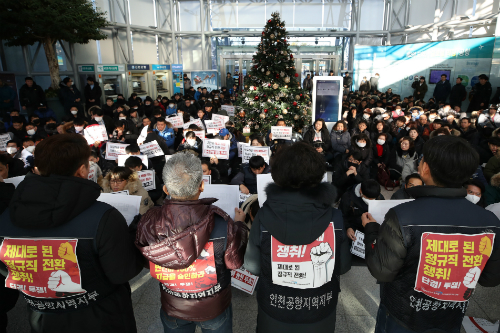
pixel 208 104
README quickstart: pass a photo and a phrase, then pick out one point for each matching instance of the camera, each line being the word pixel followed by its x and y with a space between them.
pixel 318 144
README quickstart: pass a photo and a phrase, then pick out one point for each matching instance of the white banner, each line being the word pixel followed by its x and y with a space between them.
pixel 250 151
pixel 176 121
pixel 281 132
pixel 147 177
pixel 93 172
pixel 217 148
pixel 115 149
pixel 151 149
pixel 14 180
pixel 378 208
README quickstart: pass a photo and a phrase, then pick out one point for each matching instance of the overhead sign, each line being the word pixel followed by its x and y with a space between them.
pixel 110 68
pixel 86 68
pixel 160 67
pixel 137 67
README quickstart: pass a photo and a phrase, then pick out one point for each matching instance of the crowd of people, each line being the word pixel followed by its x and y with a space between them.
pixel 430 151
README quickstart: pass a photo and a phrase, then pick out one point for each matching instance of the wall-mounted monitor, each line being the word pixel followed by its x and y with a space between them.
pixel 327 98
pixel 435 75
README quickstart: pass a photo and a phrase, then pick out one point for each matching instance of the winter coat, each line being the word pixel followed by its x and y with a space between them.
pixel 353 206
pixel 457 95
pixel 340 178
pixel 386 151
pixel 480 94
pixel 168 135
pixel 347 81
pixel 134 187
pixel 248 178
pixel 403 162
pixel 366 151
pixel 198 147
pixel 117 259
pixel 401 194
pixel 7 93
pixel 419 145
pixel 442 90
pixel 492 167
pixel 485 120
pixel 69 97
pixel 31 97
pixel 364 86
pixel 340 142
pixel 309 138
pixel 355 131
pixel 393 251
pixel 295 217
pixel 174 235
pixel 420 90
pixel 472 135
pixel 45 114
pixel 493 190
pixel 374 83
pixel 94 93
pixel 229 82
pixel 307 84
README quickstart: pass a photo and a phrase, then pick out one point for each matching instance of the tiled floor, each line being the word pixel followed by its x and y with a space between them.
pixel 356 310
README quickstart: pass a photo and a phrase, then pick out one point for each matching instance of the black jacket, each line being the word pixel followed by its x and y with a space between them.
pixel 472 136
pixel 347 82
pixel 95 94
pixel 457 94
pixel 420 90
pixel 366 151
pixel 401 194
pixel 69 97
pixel 63 199
pixel 248 178
pixel 480 94
pixel 352 207
pixel 374 83
pixel 31 97
pixel 325 137
pixel 342 181
pixel 386 151
pixel 442 90
pixel 393 249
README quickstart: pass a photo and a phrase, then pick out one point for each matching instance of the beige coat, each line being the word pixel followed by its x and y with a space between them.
pixel 134 187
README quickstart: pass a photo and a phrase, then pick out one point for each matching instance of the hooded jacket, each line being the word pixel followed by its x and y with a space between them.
pixel 134 187
pixel 174 235
pixel 366 151
pixel 43 203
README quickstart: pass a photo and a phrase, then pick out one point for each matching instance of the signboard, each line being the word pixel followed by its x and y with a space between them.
pixel 160 67
pixel 151 149
pixel 86 68
pixel 229 109
pixel 177 77
pixel 250 151
pixel 111 68
pixel 358 247
pixel 207 179
pixel 4 138
pixel 450 264
pixel 94 133
pixel 213 127
pixel 147 177
pixel 304 266
pixel 220 119
pixel 243 280
pixel 137 67
pixel 217 148
pixel 206 79
pixel 176 121
pixel 200 134
pixel 115 149
pixel 281 132
pixel 240 148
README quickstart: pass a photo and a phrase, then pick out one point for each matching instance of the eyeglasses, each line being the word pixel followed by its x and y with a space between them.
pixel 116 181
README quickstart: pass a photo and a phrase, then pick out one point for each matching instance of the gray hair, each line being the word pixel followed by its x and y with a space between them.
pixel 183 175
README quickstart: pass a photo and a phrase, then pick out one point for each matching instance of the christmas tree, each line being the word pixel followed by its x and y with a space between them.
pixel 272 90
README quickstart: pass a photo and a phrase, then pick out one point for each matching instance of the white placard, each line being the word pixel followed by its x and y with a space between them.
pixel 479 325
pixel 250 151
pixel 281 132
pixel 4 138
pixel 213 127
pixel 378 208
pixel 128 205
pixel 220 119
pixel 147 178
pixel 176 121
pixel 93 172
pixel 240 148
pixel 123 158
pixel 244 197
pixel 227 195
pixel 14 180
pixel 243 280
pixel 217 148
pixel 151 149
pixel 94 133
pixel 229 109
pixel 142 137
pixel 207 179
pixel 358 247
pixel 197 122
pixel 264 179
pixel 200 134
pixel 115 149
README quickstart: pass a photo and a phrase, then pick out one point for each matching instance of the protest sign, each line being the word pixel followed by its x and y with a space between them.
pixel 92 172
pixel 243 280
pixel 115 149
pixel 124 192
pixel 147 178
pixel 229 109
pixel 281 132
pixel 213 127
pixel 94 133
pixel 378 208
pixel 217 148
pixel 123 158
pixel 176 121
pixel 250 151
pixel 358 247
pixel 244 197
pixel 128 205
pixel 227 195
pixel 304 266
pixel 207 179
pixel 143 135
pixel 240 148
pixel 151 149
pixel 200 134
pixel 220 119
pixel 196 122
pixel 4 138
pixel 450 264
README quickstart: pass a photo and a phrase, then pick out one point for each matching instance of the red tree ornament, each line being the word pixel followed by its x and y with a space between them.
pixel 296 75
pixel 265 110
pixel 269 21
pixel 257 97
pixel 300 95
pixel 294 103
pixel 291 56
pixel 276 116
pixel 268 85
pixel 263 33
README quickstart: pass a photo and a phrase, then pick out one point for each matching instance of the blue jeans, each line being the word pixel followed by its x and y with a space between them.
pixel 221 324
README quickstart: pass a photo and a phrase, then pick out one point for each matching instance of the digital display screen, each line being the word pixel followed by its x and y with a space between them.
pixel 435 76
pixel 327 100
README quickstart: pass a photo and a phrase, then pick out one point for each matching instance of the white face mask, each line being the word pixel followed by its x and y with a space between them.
pixel 31 149
pixel 31 132
pixel 170 105
pixel 361 144
pixel 11 150
pixel 98 119
pixel 78 128
pixel 147 104
pixel 380 142
pixel 74 112
pixel 122 118
pixel 473 198
pixel 191 142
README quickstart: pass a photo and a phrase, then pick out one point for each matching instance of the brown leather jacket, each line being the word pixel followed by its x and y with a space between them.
pixel 174 235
